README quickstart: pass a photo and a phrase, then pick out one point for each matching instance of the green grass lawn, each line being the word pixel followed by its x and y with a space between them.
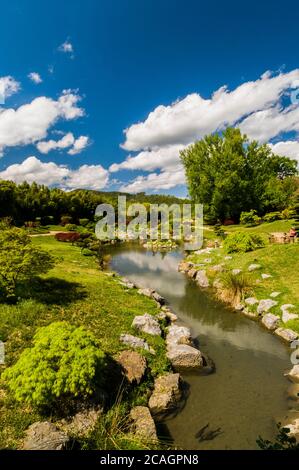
pixel 75 291
pixel 280 261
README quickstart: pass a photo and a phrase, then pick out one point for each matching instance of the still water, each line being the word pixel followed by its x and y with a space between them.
pixel 231 407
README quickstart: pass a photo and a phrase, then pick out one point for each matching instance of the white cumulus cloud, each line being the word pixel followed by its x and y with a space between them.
pixel 30 122
pixel 32 169
pixel 67 48
pixel 287 148
pixel 8 86
pixel 79 144
pixel 35 77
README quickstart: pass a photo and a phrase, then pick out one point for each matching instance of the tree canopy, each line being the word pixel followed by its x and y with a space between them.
pixel 229 174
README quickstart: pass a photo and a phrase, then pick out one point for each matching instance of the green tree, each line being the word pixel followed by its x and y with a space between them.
pixel 20 259
pixel 229 174
pixel 65 362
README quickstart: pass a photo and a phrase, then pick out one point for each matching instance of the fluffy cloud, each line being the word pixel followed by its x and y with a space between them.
pixel 288 148
pixel 256 107
pixel 30 122
pixel 154 181
pixel 193 117
pixel 68 140
pixel 80 144
pixel 32 169
pixel 67 48
pixel 8 86
pixel 149 160
pixel 35 77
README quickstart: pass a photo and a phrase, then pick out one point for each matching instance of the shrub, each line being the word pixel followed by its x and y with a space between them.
pixel 71 227
pixel 233 287
pixel 288 214
pixel 19 259
pixel 219 230
pixel 65 362
pixel 250 218
pixel 272 216
pixel 65 219
pixel 241 242
pixel 83 222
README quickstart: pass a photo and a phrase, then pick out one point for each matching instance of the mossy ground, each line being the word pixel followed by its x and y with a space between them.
pixel 77 292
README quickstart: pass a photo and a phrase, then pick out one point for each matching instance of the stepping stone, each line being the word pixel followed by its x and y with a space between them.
pixel 286 315
pixel 251 301
pixel 253 267
pixel 265 305
pixel 266 276
pixel 275 294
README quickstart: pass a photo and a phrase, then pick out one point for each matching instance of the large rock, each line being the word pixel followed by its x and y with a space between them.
pixel 265 305
pixel 143 424
pixel 172 317
pixel 185 357
pixel 286 314
pixel 158 298
pixel 147 324
pixel 147 292
pixel 293 392
pixel 286 334
pixel 133 365
pixel 293 374
pixel 202 279
pixel 192 273
pixel 184 266
pixel 83 422
pixel 178 335
pixel 134 342
pixel 293 428
pixel 166 396
pixel 270 321
pixel 45 436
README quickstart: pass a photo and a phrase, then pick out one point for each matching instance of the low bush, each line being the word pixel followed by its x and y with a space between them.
pixel 250 218
pixel 234 287
pixel 65 362
pixel 241 242
pixel 71 227
pixel 272 216
pixel 83 222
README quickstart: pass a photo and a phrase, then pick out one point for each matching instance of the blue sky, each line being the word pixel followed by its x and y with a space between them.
pixel 119 61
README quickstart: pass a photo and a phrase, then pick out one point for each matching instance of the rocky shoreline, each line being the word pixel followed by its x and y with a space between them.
pixel 168 395
pixel 257 310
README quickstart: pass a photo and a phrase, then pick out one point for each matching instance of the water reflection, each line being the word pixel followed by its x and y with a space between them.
pixel 240 400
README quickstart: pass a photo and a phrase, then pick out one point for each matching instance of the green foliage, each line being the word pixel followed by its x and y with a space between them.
pixel 230 175
pixel 296 210
pixel 272 216
pixel 250 218
pixel 65 362
pixel 83 222
pixel 234 287
pixel 288 214
pixel 283 441
pixel 65 220
pixel 241 242
pixel 71 227
pixel 20 259
pixel 219 231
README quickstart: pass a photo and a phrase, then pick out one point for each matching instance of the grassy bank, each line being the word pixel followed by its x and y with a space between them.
pixel 75 291
pixel 279 261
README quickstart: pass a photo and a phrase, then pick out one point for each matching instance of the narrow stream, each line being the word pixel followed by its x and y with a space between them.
pixel 230 408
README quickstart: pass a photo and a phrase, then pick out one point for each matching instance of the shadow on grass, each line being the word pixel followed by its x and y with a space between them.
pixel 53 291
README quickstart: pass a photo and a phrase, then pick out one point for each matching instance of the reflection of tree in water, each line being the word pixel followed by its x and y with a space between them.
pixel 206 434
pixel 199 304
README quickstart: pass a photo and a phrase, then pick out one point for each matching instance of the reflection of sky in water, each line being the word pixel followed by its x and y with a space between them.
pixel 159 271
pixel 247 389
